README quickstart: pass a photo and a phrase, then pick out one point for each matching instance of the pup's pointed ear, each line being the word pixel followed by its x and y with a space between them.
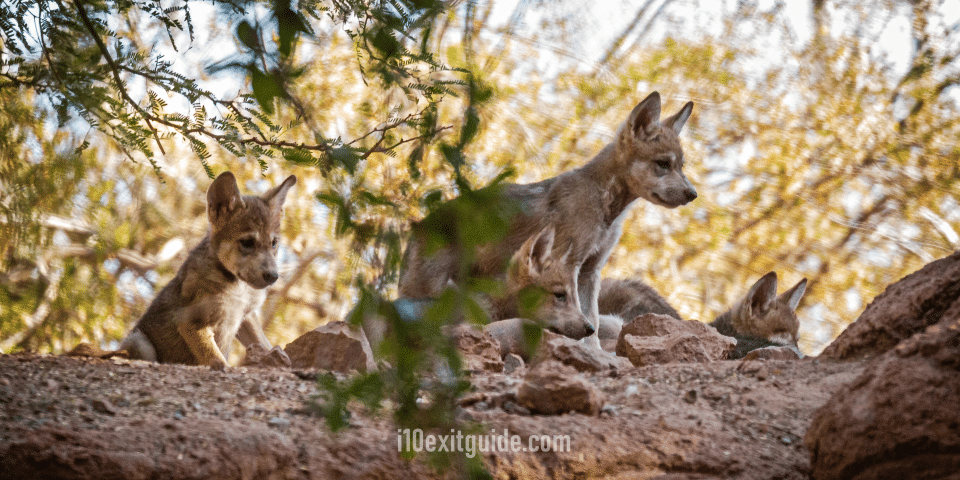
pixel 763 293
pixel 223 198
pixel 792 297
pixel 529 259
pixel 645 117
pixel 541 249
pixel 677 121
pixel 277 195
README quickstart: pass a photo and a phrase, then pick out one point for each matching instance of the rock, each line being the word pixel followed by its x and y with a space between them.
pixel 512 362
pixel 479 350
pixel 899 419
pixel 103 406
pixel 654 325
pixel 921 299
pixel 578 355
pixel 84 349
pixel 515 409
pixel 656 339
pixel 335 346
pixel 258 356
pixel 773 353
pixel 552 388
pixel 279 422
pixel 514 336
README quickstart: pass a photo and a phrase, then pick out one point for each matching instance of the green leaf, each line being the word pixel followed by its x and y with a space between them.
pixel 384 41
pixel 471 126
pixel 288 25
pixel 248 36
pixel 265 89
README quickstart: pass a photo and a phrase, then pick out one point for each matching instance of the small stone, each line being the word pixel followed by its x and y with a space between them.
pixel 609 410
pixel 773 353
pixel 103 406
pixel 258 356
pixel 515 409
pixel 690 396
pixel 463 414
pixel 279 422
pixel 512 363
pixel 479 350
pixel 553 388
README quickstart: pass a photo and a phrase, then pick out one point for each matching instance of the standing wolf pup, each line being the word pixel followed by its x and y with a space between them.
pixel 218 291
pixel 586 207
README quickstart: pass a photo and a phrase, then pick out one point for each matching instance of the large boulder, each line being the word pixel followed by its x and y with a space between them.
pixel 919 300
pixel 335 346
pixel 552 388
pixel 652 339
pixel 900 418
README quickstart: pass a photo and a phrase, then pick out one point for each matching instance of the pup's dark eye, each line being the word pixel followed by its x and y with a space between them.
pixel 561 296
pixel 663 164
pixel 247 243
pixel 274 243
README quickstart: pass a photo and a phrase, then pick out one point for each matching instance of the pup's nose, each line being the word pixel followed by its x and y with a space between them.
pixel 691 195
pixel 589 328
pixel 270 277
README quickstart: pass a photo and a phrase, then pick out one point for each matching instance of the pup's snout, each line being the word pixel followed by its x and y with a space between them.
pixel 691 194
pixel 270 277
pixel 589 329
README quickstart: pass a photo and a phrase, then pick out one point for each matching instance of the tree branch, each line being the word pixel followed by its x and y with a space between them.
pixel 116 71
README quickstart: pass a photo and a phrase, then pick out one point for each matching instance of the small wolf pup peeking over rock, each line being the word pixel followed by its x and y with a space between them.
pixel 218 291
pixel 759 319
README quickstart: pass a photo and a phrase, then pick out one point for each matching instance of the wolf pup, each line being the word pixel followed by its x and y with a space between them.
pixel 763 319
pixel 759 319
pixel 535 270
pixel 218 291
pixel 586 207
pixel 536 267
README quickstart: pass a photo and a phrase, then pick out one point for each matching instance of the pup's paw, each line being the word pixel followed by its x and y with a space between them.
pixel 218 365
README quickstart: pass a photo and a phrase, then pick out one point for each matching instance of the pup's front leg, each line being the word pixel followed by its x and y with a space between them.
pixel 202 344
pixel 251 331
pixel 588 289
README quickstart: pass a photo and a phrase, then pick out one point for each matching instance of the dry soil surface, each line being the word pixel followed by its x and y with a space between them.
pixel 66 417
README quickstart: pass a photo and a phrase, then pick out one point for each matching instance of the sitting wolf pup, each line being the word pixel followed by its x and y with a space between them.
pixel 218 291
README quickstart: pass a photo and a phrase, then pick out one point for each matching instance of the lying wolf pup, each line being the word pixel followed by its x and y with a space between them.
pixel 759 319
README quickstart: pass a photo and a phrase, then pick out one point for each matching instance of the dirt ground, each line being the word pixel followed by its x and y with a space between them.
pixel 66 417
